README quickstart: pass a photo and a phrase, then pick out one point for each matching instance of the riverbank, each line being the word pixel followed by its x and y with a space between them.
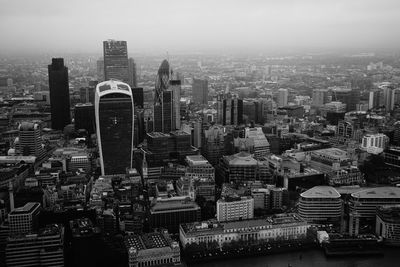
pixel 305 258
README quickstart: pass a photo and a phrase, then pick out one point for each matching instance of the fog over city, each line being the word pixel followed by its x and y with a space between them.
pixel 182 26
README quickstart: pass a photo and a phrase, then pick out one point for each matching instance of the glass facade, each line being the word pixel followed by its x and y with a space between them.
pixel 116 60
pixel 115 119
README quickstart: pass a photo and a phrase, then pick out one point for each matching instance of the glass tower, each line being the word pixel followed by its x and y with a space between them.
pixel 116 60
pixel 114 114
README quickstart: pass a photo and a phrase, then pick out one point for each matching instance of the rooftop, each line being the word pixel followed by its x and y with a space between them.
pixel 26 209
pixel 146 241
pixel 321 192
pixel 244 225
pixel 378 192
pixel 241 158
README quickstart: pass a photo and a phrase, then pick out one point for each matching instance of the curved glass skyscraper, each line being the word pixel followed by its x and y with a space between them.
pixel 114 126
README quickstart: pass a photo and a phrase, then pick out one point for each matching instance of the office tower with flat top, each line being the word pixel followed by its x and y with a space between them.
pixel 116 64
pixel 59 94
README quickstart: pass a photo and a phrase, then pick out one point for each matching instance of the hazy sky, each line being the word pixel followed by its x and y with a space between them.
pixel 200 25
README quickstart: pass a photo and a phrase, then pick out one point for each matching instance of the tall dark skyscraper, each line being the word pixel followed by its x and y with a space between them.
pixel 200 91
pixel 163 112
pixel 114 112
pixel 230 109
pixel 59 94
pixel 116 60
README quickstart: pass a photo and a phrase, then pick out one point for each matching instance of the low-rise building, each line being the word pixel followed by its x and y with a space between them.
pixel 231 208
pixel 152 249
pixel 321 204
pixel 388 224
pixel 281 226
pixel 45 248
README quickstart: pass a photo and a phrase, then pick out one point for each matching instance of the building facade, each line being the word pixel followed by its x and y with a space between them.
pixel 321 204
pixel 59 94
pixel 114 113
pixel 116 60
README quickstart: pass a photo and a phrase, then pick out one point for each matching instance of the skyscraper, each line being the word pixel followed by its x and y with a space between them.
pixel 163 112
pixel 114 112
pixel 59 94
pixel 231 109
pixel 132 72
pixel 100 70
pixel 116 60
pixel 283 97
pixel 175 87
pixel 200 91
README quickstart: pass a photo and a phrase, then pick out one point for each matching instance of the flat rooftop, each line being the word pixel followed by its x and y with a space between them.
pixel 321 192
pixel 146 241
pixel 378 192
pixel 244 225
pixel 26 209
pixel 331 153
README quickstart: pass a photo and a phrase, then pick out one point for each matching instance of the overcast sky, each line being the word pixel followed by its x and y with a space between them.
pixel 201 25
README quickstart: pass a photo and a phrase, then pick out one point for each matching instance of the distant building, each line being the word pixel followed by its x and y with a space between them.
pixel 232 208
pixel 374 143
pixel 283 95
pixel 319 97
pixel 100 70
pixel 388 224
pixel 152 249
pixel 200 91
pixel 213 144
pixel 132 79
pixel 116 61
pixel 59 94
pixel 230 109
pixel 321 204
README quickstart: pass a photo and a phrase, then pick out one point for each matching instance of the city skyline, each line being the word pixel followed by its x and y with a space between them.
pixel 229 26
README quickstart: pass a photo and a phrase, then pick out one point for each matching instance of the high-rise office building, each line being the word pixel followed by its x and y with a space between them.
pixel 230 109
pixel 319 97
pixel 100 70
pixel 84 117
pixel 395 98
pixel 59 94
pixel 164 108
pixel 114 113
pixel 138 97
pixel 30 141
pixel 175 87
pixel 200 91
pixel 283 95
pixel 116 60
pixel 374 99
pixel 132 72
